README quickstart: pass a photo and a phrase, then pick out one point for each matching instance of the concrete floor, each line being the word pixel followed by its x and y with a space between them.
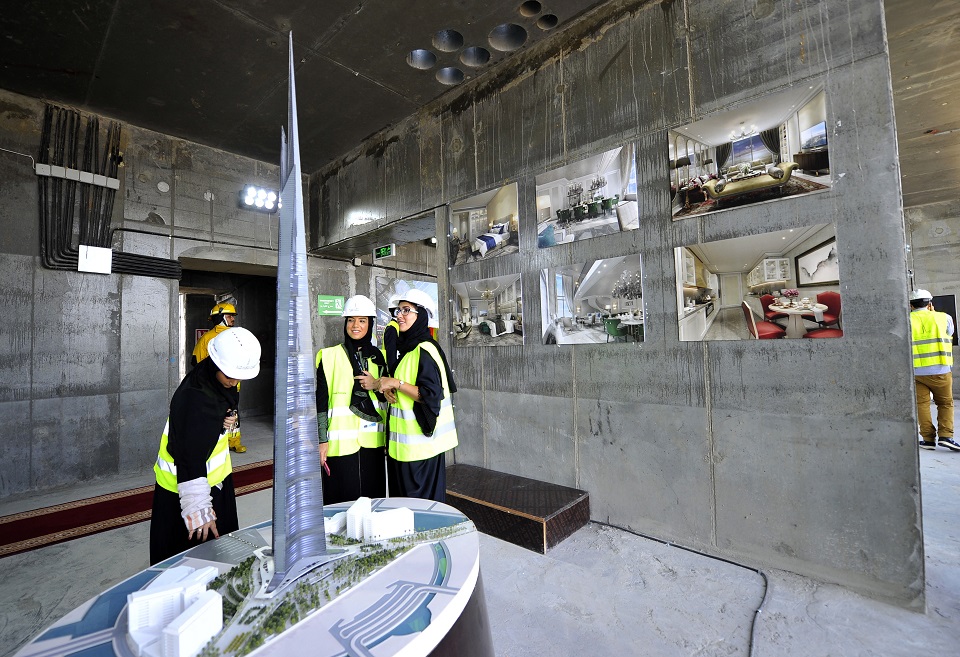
pixel 603 591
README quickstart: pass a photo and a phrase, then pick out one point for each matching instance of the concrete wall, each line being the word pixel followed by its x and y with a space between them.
pixel 795 454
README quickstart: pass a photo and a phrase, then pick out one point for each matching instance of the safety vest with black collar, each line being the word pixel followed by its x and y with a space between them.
pixel 218 463
pixel 407 440
pixel 347 433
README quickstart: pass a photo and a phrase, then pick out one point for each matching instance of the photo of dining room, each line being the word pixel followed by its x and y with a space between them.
pixel 588 198
pixel 779 285
pixel 770 148
pixel 596 302
pixel 485 226
pixel 488 312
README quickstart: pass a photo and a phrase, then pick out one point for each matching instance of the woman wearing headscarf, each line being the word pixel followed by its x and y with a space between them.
pixel 349 417
pixel 193 499
pixel 422 427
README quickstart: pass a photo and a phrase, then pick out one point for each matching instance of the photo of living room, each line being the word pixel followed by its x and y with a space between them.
pixel 770 148
pixel 593 302
pixel 783 284
pixel 488 312
pixel 588 198
pixel 484 226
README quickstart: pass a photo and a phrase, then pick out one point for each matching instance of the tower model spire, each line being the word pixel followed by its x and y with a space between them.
pixel 298 536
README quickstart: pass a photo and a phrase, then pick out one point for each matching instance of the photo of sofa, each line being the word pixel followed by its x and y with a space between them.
pixel 725 188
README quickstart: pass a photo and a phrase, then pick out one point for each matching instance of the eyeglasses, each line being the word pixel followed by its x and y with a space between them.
pixel 404 311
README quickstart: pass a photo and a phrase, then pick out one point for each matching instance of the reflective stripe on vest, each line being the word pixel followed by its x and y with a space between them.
pixel 218 464
pixel 347 433
pixel 931 343
pixel 407 440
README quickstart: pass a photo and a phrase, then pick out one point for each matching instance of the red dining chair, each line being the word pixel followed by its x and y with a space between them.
pixel 824 333
pixel 770 315
pixel 761 330
pixel 831 316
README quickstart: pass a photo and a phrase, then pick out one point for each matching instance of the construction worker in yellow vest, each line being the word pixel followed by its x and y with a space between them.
pixel 222 316
pixel 194 499
pixel 932 340
pixel 421 422
pixel 350 418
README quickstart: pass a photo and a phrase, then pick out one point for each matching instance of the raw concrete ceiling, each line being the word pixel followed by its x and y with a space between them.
pixel 214 71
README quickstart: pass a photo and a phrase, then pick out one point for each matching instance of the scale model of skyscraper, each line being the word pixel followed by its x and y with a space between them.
pixel 299 542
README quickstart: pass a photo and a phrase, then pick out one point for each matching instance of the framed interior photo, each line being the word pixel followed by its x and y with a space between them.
pixel 819 266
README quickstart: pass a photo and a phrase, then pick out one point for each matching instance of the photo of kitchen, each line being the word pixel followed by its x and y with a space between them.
pixel 588 198
pixel 596 302
pixel 488 312
pixel 770 148
pixel 484 226
pixel 779 285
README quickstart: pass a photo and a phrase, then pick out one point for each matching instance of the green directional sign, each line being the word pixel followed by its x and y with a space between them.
pixel 328 306
pixel 385 251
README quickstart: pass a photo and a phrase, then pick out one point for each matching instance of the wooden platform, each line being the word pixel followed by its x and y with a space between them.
pixel 533 514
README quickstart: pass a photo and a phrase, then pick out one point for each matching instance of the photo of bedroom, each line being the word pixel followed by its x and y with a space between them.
pixel 484 226
pixel 593 302
pixel 488 312
pixel 588 198
pixel 770 148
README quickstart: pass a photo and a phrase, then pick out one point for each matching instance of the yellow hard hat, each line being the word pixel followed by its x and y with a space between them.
pixel 223 309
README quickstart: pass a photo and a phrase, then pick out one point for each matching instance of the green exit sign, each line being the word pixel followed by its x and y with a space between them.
pixel 386 251
pixel 329 306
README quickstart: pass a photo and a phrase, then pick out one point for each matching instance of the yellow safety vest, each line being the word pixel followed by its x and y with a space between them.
pixel 407 440
pixel 346 432
pixel 218 463
pixel 931 343
pixel 200 351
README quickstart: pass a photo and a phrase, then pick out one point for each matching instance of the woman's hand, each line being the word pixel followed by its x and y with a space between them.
pixel 388 384
pixel 367 382
pixel 204 530
pixel 230 421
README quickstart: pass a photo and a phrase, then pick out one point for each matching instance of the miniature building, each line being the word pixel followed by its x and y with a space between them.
pixel 192 629
pixel 336 524
pixel 355 515
pixel 384 525
pixel 161 603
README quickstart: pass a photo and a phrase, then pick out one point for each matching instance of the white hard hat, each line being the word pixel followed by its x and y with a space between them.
pixel 359 306
pixel 236 352
pixel 917 295
pixel 420 298
pixel 394 301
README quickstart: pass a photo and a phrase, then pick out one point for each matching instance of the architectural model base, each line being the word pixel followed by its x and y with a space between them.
pixel 419 594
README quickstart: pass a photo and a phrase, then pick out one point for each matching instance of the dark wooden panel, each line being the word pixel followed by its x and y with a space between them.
pixel 533 514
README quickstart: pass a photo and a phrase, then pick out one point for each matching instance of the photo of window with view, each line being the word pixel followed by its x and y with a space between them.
pixel 770 148
pixel 484 226
pixel 784 284
pixel 588 198
pixel 488 312
pixel 600 301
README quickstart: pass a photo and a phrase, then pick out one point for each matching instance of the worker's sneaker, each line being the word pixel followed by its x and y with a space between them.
pixel 926 444
pixel 950 444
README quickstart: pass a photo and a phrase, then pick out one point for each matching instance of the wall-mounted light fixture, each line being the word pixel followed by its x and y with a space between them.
pixel 258 199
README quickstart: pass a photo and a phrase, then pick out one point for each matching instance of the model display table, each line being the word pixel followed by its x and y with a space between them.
pixel 425 598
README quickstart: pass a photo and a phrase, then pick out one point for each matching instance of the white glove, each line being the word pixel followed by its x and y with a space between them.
pixel 196 505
